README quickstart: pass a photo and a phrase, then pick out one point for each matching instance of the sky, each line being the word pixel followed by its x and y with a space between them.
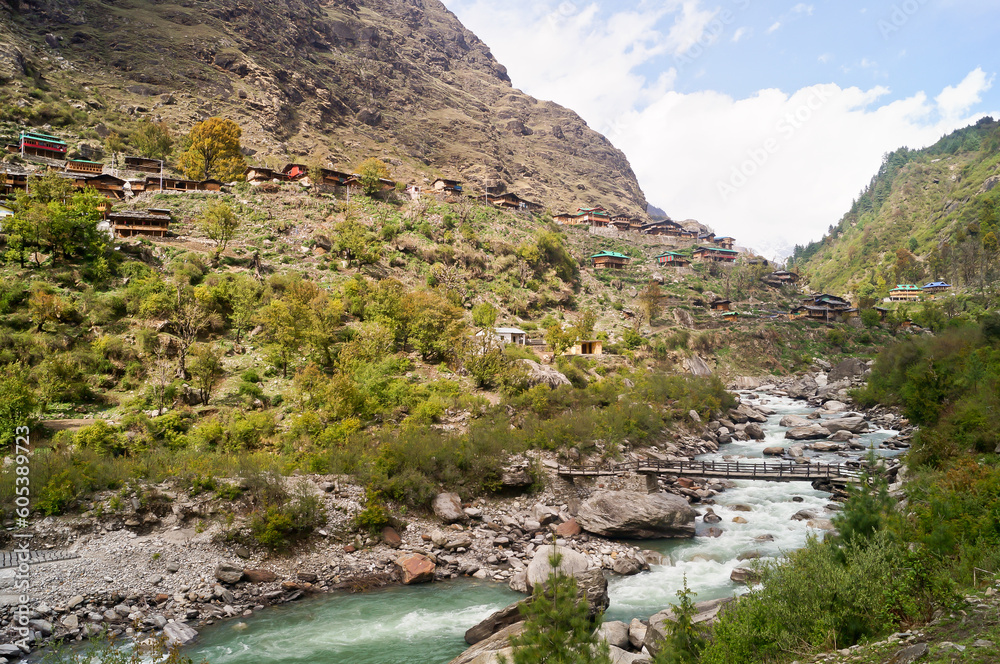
pixel 763 120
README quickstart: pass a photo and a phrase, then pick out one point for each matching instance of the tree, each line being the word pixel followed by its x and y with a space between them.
pixel 220 224
pixel 193 316
pixel 113 144
pixel 213 151
pixel 867 295
pixel 557 626
pixel 435 325
pixel 588 319
pixel 372 172
pixel 684 641
pixel 153 140
pixel 650 299
pixel 243 296
pixel 484 315
pixel 18 402
pixel 206 368
pixel 561 340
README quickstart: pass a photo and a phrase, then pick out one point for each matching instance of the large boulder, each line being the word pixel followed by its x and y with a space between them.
pixel 489 650
pixel 635 515
pixel 755 431
pixel 614 632
pixel 415 568
pixel 803 388
pixel 706 614
pixel 228 573
pixel 178 634
pixel 539 374
pixel 811 432
pixel 697 366
pixel 852 424
pixel 495 622
pixel 571 563
pixel 794 421
pixel 749 413
pixel 850 369
pixel 448 508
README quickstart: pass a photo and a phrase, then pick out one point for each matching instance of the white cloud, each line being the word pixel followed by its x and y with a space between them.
pixel 774 169
pixel 803 8
pixel 955 101
pixel 684 147
pixel 774 27
pixel 825 57
pixel 740 33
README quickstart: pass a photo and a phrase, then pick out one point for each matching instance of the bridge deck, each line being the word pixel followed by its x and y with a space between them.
pixel 772 472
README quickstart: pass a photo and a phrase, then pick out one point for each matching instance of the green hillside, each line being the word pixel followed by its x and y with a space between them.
pixel 927 215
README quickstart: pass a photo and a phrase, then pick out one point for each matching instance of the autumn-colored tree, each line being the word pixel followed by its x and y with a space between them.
pixel 372 172
pixel 153 140
pixel 212 150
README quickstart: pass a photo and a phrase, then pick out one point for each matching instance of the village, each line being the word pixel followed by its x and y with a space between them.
pixel 684 244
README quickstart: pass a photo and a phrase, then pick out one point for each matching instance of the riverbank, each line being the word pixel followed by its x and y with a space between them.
pixel 138 579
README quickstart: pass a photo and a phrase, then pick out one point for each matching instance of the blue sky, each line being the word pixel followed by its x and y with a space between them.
pixel 763 120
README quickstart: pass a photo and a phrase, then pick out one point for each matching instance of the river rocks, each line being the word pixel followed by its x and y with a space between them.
pixel 820 524
pixel 842 436
pixel 850 369
pixel 260 575
pixel 568 529
pixel 448 508
pixel 705 614
pixel 747 414
pixel 391 537
pixel 711 516
pixel 714 531
pixel 796 451
pixel 739 519
pixel 637 633
pixel 744 575
pixel 790 421
pixel 538 374
pixel 489 650
pixel 748 555
pixel 755 431
pixel 634 515
pixel 773 451
pixel 228 573
pixel 179 634
pixel 826 447
pixel 852 424
pixel 70 622
pixel 415 568
pixel 835 407
pixel 804 515
pixel 811 432
pixel 571 563
pixel 615 633
pixel 497 621
pixel 803 388
pixel 626 566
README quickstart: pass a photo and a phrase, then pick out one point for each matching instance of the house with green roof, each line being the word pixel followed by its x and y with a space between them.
pixel 42 145
pixel 715 254
pixel 905 293
pixel 609 259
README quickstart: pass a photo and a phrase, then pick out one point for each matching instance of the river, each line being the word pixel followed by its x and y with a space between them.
pixel 426 623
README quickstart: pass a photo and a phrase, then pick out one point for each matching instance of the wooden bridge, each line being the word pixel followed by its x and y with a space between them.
pixel 730 470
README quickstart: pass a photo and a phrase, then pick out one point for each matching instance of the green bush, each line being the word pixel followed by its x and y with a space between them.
pixel 103 438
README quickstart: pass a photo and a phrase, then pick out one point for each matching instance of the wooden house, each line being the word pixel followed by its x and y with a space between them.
pixel 260 174
pixel 609 259
pixel 731 316
pixel 594 216
pixel 591 347
pixel 42 145
pixel 624 222
pixel 780 278
pixel 511 201
pixel 706 238
pixel 5 211
pixel 724 242
pixel 13 179
pixel 719 305
pixel 714 254
pixel 337 178
pixel 935 288
pixel 672 259
pixel 143 164
pixel 905 293
pixel 512 335
pixel 84 166
pixel 154 222
pixel 446 186
pixel 107 185
pixel 666 227
pixel 567 218
pixel 154 183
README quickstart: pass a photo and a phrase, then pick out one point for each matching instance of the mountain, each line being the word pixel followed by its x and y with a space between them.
pixel 334 81
pixel 928 214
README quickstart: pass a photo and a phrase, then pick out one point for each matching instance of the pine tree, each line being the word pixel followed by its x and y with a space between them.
pixel 557 627
pixel 684 641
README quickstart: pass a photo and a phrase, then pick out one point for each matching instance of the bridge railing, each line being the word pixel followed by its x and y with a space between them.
pixel 719 469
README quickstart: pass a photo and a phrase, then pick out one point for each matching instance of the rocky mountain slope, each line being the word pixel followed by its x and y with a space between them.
pixel 336 81
pixel 927 215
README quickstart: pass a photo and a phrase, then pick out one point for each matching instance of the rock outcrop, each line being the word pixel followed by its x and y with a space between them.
pixel 637 515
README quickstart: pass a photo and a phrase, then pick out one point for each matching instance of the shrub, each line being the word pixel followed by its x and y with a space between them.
pixel 103 438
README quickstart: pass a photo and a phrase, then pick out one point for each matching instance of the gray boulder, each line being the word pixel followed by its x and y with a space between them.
pixel 637 633
pixel 614 632
pixel 852 424
pixel 227 573
pixel 539 374
pixel 489 650
pixel 803 388
pixel 850 369
pixel 179 634
pixel 750 414
pixel 794 421
pixel 635 515
pixel 811 432
pixel 755 431
pixel 571 563
pixel 448 508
